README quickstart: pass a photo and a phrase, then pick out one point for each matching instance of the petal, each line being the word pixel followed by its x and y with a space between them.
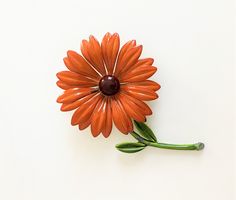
pixel 91 50
pixel 77 103
pixel 122 53
pixel 140 92
pixel 132 109
pixel 85 124
pixel 143 106
pixel 70 66
pixel 84 112
pixel 72 78
pixel 110 47
pixel 146 84
pixel 64 86
pixel 71 95
pixel 104 45
pixel 108 124
pixel 80 64
pixel 128 45
pixel 98 118
pixel 139 74
pixel 120 118
pixel 129 59
pixel 139 63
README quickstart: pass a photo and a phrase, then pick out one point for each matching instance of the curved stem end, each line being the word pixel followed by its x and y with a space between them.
pixel 199 146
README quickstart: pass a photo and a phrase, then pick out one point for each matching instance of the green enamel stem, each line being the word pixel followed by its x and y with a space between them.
pixel 196 146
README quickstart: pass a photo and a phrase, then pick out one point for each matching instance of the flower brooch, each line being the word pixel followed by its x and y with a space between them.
pixel 110 84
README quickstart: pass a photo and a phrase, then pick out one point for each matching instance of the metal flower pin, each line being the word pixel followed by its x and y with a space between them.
pixel 108 84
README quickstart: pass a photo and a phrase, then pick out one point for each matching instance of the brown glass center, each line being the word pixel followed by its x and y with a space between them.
pixel 109 85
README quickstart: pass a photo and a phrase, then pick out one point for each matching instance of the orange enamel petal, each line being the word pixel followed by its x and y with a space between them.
pixel 139 74
pixel 141 93
pixel 64 86
pixel 139 63
pixel 104 45
pixel 81 65
pixel 122 53
pixel 91 50
pixel 142 105
pixel 108 124
pixel 96 55
pixel 130 58
pixel 70 66
pixel 145 84
pixel 131 109
pixel 84 112
pixel 110 47
pixel 72 78
pixel 128 45
pixel 145 61
pixel 85 124
pixel 73 94
pixel 77 103
pixel 98 118
pixel 120 118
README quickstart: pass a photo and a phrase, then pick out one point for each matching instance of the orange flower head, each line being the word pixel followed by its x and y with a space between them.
pixel 107 85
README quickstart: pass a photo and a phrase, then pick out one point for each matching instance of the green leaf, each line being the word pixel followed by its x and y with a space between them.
pixel 130 147
pixel 145 131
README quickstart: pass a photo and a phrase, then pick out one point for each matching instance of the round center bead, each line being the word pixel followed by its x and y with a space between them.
pixel 109 85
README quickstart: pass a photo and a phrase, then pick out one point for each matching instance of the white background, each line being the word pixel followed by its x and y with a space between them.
pixel 42 157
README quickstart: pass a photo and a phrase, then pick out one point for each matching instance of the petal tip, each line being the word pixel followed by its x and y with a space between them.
pixel 73 122
pixel 62 109
pixel 91 37
pixel 116 34
pixel 58 75
pixel 70 53
pixel 133 42
pixel 107 35
pixel 105 136
pixel 59 99
pixel 80 128
pixel 84 42
pixel 154 69
pixel 65 59
pixel 95 133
